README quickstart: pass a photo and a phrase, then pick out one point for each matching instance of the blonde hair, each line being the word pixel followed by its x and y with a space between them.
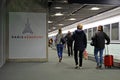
pixel 79 26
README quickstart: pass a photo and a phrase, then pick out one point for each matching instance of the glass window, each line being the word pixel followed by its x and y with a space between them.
pixel 85 30
pixel 89 33
pixel 107 29
pixel 94 30
pixel 115 31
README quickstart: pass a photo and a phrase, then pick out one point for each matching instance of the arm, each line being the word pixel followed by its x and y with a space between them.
pixel 73 36
pixel 85 40
pixel 107 38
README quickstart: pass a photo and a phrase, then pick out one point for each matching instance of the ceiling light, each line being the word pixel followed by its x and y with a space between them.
pixel 58 7
pixel 65 1
pixel 49 29
pixel 58 14
pixel 50 22
pixel 60 24
pixel 94 8
pixel 53 27
pixel 72 19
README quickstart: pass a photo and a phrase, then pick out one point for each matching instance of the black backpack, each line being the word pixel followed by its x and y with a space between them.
pixel 63 40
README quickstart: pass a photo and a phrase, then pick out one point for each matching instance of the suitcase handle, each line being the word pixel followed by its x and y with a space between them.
pixel 106 50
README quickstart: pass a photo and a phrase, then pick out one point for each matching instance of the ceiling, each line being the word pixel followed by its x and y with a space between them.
pixel 75 10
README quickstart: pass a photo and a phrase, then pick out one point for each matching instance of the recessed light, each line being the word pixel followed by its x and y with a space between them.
pixel 95 8
pixel 65 1
pixel 58 14
pixel 49 29
pixel 58 7
pixel 72 19
pixel 60 24
pixel 53 27
pixel 50 22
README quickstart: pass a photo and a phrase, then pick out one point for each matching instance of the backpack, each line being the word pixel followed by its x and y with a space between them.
pixel 93 42
pixel 63 40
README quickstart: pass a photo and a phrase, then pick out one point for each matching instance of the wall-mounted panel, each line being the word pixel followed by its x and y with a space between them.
pixel 27 36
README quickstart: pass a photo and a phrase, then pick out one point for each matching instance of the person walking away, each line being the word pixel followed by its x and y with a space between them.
pixel 59 44
pixel 80 43
pixel 99 45
pixel 69 40
pixel 50 42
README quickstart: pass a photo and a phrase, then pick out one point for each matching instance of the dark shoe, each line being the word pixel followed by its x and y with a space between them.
pixel 76 67
pixel 100 66
pixel 69 55
pixel 60 59
pixel 97 67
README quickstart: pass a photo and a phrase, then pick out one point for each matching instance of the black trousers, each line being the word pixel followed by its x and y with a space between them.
pixel 80 53
pixel 70 49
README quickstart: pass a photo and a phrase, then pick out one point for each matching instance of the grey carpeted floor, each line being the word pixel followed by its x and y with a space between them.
pixel 53 70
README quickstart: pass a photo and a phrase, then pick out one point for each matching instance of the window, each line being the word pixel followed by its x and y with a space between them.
pixel 89 33
pixel 107 29
pixel 85 30
pixel 94 30
pixel 115 31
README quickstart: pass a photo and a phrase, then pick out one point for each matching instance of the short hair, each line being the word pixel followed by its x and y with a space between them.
pixel 60 30
pixel 100 28
pixel 79 26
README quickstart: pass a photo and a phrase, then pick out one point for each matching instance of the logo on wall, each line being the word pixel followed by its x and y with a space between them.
pixel 27 29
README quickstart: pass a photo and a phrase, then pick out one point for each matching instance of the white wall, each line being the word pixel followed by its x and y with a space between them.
pixel 29 45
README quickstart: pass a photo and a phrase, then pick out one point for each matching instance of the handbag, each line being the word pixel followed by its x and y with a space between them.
pixel 63 40
pixel 85 55
pixel 92 43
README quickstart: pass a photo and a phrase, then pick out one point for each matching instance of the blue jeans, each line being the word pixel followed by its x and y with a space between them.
pixel 98 60
pixel 59 50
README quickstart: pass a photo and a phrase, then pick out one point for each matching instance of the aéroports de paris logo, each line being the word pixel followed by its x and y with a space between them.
pixel 27 29
pixel 27 33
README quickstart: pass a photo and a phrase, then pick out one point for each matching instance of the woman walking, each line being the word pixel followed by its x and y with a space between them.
pixel 59 44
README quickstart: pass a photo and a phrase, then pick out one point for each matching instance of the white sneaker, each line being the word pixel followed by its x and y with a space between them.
pixel 80 67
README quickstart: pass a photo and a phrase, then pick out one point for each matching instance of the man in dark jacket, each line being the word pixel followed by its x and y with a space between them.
pixel 80 43
pixel 99 45
pixel 69 40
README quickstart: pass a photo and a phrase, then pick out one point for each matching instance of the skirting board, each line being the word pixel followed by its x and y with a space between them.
pixel 28 60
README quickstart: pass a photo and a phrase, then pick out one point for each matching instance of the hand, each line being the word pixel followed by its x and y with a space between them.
pixel 107 43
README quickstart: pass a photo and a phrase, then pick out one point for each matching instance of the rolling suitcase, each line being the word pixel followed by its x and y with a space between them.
pixel 108 60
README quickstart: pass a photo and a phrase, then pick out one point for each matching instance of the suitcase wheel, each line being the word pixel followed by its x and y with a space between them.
pixel 108 66
pixel 105 66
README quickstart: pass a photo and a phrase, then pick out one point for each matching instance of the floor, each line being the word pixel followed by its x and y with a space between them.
pixel 53 70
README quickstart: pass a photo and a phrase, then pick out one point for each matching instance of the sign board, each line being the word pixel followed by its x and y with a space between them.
pixel 27 35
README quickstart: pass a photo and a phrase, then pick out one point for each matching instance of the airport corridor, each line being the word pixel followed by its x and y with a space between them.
pixel 53 70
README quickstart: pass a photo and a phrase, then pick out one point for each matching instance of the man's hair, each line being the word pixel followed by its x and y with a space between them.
pixel 100 28
pixel 60 31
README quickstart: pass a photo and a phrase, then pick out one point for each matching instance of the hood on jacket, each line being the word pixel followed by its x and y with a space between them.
pixel 78 31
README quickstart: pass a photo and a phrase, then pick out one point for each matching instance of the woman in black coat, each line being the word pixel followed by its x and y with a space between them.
pixel 80 43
